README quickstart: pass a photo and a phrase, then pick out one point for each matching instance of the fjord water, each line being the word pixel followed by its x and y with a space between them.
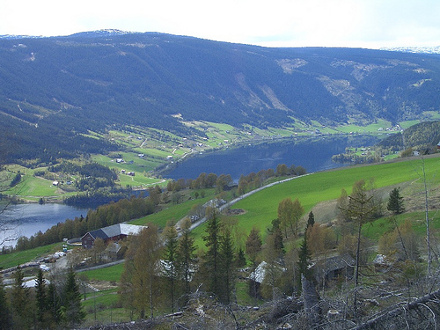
pixel 314 154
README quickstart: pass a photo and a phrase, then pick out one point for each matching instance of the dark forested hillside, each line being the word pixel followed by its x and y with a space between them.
pixel 65 86
pixel 421 135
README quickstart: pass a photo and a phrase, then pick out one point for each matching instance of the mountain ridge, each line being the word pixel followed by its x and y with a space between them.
pixel 93 81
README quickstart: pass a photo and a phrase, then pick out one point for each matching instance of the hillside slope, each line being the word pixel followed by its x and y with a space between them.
pixel 65 86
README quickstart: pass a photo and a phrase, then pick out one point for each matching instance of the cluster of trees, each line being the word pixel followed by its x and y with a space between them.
pixel 203 181
pixel 152 268
pixel 371 157
pixel 166 269
pixel 89 169
pixel 223 181
pixel 98 181
pixel 52 304
pixel 95 198
pixel 255 180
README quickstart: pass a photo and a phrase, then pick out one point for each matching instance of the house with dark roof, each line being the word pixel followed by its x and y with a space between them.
pixel 334 267
pixel 111 233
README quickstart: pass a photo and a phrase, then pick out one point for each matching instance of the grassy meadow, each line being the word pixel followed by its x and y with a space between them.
pixel 311 190
pixel 17 258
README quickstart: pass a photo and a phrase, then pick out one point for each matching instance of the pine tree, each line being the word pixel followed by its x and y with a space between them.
pixel 211 268
pixel 186 257
pixel 5 314
pixel 310 220
pixel 240 259
pixel 227 265
pixel 253 245
pixel 54 305
pixel 41 299
pixel 170 257
pixel 21 302
pixel 73 312
pixel 304 259
pixel 395 202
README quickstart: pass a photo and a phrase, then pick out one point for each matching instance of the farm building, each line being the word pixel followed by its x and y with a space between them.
pixel 332 268
pixel 110 233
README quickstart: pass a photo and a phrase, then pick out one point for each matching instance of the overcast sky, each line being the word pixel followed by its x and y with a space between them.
pixel 286 23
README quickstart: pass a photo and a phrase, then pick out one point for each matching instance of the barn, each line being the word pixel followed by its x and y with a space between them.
pixel 110 233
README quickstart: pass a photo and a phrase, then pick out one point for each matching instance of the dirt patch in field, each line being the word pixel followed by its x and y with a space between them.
pixel 235 211
pixel 103 285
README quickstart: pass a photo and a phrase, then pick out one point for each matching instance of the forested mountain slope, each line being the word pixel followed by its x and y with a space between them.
pixel 52 89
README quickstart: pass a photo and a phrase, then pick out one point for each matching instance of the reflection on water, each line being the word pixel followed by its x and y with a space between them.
pixel 312 154
pixel 28 219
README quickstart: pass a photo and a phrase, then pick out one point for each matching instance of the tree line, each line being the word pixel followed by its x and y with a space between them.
pixel 105 215
pixel 125 209
pixel 53 303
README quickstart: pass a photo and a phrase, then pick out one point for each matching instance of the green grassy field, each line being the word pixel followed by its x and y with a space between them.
pixel 380 226
pixel 261 208
pixel 173 213
pixel 111 274
pixel 21 257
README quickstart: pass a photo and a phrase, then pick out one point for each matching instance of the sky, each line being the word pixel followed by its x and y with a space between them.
pixel 271 23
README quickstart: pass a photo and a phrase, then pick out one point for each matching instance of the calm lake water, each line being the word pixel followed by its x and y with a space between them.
pixel 28 219
pixel 312 154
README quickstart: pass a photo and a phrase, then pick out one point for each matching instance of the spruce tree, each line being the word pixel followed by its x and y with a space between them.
pixel 211 267
pixel 310 220
pixel 304 257
pixel 41 299
pixel 186 257
pixel 227 265
pixel 170 257
pixel 21 302
pixel 5 314
pixel 395 202
pixel 254 245
pixel 54 305
pixel 72 309
pixel 240 260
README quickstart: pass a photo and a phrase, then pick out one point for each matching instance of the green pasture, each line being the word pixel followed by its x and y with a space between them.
pixel 102 306
pixel 17 258
pixel 111 274
pixel 105 298
pixel 30 186
pixel 379 227
pixel 261 208
pixel 173 213
pixel 368 129
pixel 140 166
